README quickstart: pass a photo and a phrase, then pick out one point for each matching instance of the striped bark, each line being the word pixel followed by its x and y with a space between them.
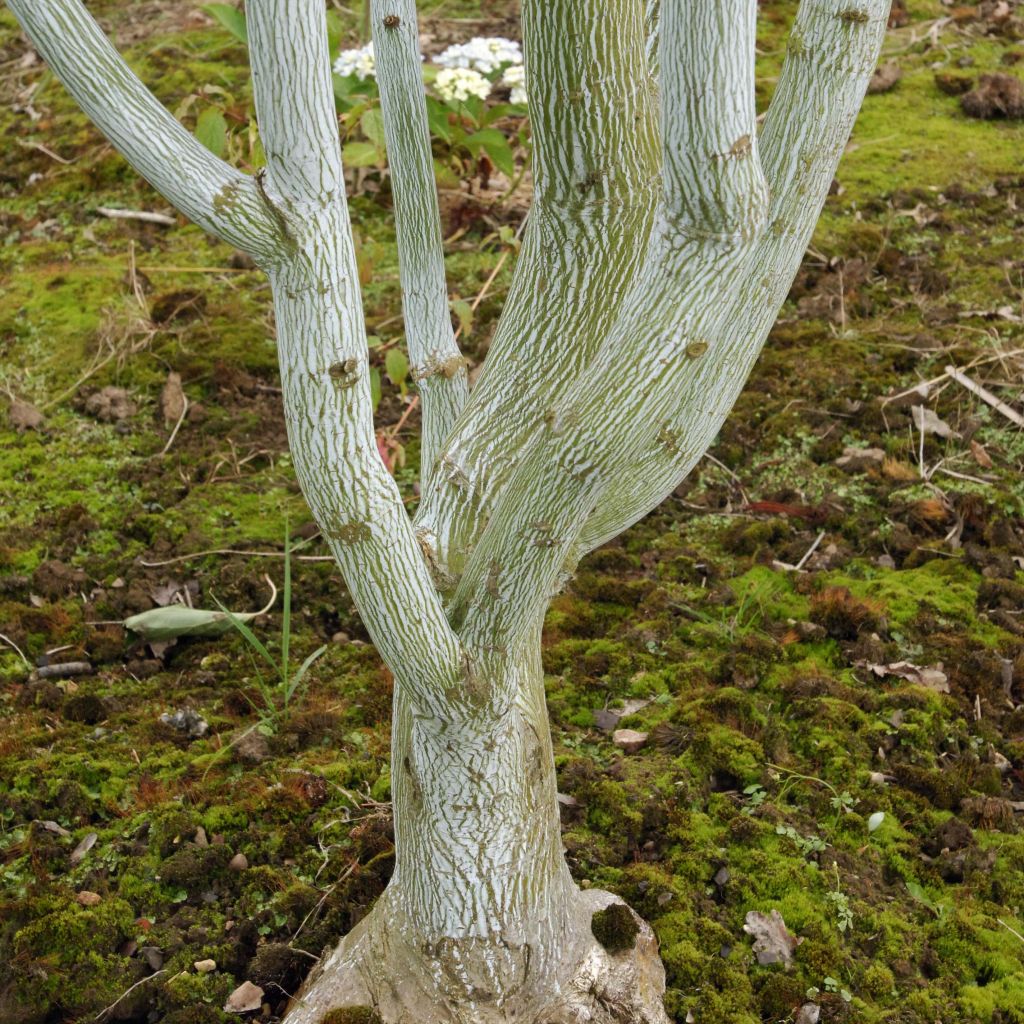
pixel 663 238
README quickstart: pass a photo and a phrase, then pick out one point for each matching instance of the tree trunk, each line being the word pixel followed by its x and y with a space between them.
pixel 482 921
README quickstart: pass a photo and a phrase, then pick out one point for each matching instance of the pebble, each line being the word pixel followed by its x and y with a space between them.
pixel 205 966
pixel 629 740
pixel 89 899
pixel 238 863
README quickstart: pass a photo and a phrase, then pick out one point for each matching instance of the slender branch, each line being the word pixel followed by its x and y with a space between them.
pixel 713 177
pixel 437 363
pixel 595 166
pixel 221 200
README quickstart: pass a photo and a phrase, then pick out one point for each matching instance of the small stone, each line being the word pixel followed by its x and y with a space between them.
pixel 238 863
pixel 809 1013
pixel 606 720
pixel 629 740
pixel 205 966
pixel 721 876
pixel 89 899
pixel 190 722
pixel 251 747
pixel 153 956
pixel 245 999
pixel 200 837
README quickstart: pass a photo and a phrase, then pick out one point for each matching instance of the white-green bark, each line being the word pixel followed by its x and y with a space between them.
pixel 664 236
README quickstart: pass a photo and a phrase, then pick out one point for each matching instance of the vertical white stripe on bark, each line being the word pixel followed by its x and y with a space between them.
pixel 221 200
pixel 437 364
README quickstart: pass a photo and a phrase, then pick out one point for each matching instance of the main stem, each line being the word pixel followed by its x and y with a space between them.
pixel 482 921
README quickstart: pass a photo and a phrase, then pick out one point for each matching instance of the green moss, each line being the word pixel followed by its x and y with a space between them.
pixel 615 927
pixel 352 1015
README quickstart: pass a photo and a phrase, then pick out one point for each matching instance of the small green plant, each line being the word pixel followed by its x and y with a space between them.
pixel 807 845
pixel 756 795
pixel 280 691
pixel 840 905
pixel 833 985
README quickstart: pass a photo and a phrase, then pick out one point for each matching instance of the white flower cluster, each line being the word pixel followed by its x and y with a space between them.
pixel 356 62
pixel 461 83
pixel 483 54
pixel 515 79
pixel 464 68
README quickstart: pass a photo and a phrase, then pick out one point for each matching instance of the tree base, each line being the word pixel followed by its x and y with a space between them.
pixel 605 969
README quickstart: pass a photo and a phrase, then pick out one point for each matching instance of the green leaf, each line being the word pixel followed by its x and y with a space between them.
pixel 293 683
pixel 231 18
pixel 495 145
pixel 397 366
pixel 445 176
pixel 212 130
pixel 372 125
pixel 437 119
pixel 464 311
pixel 335 30
pixel 361 154
pixel 375 391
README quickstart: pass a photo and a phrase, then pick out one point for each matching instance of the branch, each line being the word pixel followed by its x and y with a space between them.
pixel 713 178
pixel 595 165
pixel 325 367
pixel 437 363
pixel 832 51
pixel 221 200
pixel 294 97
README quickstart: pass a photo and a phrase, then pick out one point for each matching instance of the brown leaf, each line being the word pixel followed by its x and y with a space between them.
pixel 932 677
pixel 773 942
pixel 981 457
pixel 79 852
pixel 172 399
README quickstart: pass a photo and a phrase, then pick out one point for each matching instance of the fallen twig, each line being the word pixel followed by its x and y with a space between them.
pixel 146 216
pixel 141 981
pixel 174 433
pixel 810 551
pixel 232 551
pixel 985 395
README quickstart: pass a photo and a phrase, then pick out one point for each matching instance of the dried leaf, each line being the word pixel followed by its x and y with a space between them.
pixel 79 852
pixel 981 457
pixel 932 676
pixel 245 999
pixel 177 620
pixel 773 942
pixel 929 423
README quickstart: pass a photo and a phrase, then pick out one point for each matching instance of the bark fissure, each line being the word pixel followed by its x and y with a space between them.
pixel 663 237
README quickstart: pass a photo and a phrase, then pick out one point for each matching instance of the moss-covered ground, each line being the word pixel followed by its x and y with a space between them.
pixel 773 745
